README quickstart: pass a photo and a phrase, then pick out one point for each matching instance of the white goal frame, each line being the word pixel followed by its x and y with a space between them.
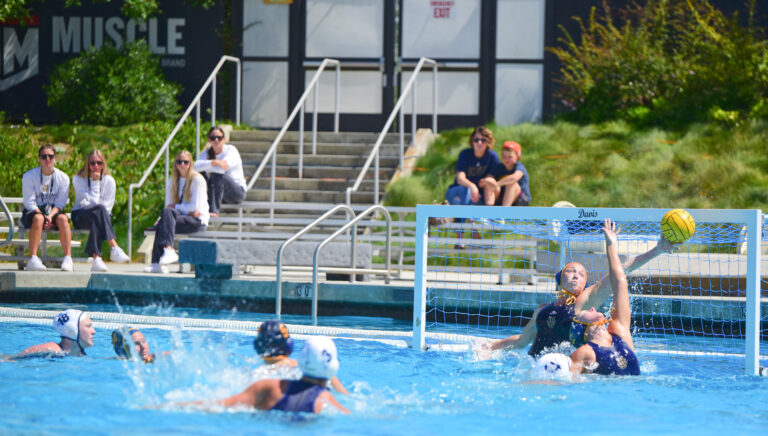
pixel 751 219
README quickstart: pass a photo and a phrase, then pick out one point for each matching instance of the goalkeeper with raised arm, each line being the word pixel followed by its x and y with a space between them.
pixel 550 324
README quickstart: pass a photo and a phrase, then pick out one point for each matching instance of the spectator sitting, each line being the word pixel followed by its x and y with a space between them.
pixel 186 211
pixel 94 199
pixel 507 184
pixel 223 171
pixel 473 165
pixel 45 192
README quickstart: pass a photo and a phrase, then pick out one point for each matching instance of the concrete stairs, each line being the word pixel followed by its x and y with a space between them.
pixel 326 176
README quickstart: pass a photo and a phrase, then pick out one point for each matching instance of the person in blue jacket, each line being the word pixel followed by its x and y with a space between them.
pixel 474 164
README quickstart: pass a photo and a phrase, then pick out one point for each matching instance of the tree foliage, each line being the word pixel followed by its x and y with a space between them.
pixel 138 9
pixel 112 86
pixel 665 63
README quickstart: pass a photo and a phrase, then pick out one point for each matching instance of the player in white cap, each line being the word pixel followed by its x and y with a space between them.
pixel 318 362
pixel 76 331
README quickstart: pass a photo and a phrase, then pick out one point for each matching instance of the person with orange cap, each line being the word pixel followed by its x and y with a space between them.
pixel 507 184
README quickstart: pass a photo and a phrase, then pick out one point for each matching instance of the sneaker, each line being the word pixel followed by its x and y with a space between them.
pixel 35 264
pixel 98 265
pixel 156 268
pixel 66 264
pixel 169 256
pixel 116 254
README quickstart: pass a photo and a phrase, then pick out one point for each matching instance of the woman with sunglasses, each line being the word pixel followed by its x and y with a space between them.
pixel 94 199
pixel 550 325
pixel 45 192
pixel 605 344
pixel 223 171
pixel 186 211
pixel 474 164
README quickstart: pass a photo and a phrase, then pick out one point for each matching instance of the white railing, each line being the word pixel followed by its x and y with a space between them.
pixel 164 150
pixel 7 213
pixel 271 155
pixel 374 155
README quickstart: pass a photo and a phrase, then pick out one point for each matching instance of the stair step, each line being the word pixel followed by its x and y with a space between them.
pixel 321 148
pixel 293 136
pixel 319 160
pixel 299 196
pixel 318 172
pixel 317 184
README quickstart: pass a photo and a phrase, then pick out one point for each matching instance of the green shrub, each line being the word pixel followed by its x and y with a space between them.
pixel 664 63
pixel 113 86
pixel 408 191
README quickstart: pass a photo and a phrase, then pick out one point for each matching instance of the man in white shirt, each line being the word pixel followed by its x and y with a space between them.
pixel 45 192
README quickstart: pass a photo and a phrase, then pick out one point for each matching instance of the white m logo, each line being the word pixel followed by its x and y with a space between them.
pixel 26 52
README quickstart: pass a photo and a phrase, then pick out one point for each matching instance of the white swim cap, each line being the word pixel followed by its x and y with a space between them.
pixel 552 366
pixel 67 323
pixel 318 358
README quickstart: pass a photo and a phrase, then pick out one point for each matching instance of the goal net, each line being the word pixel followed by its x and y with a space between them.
pixel 481 272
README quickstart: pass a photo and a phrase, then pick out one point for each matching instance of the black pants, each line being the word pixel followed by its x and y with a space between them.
pixel 222 188
pixel 172 222
pixel 99 222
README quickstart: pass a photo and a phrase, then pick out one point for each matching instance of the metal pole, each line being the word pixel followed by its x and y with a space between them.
pixel 301 142
pixel 434 99
pixel 197 130
pixel 314 120
pixel 336 102
pixel 413 107
pixel 213 102
pixel 239 87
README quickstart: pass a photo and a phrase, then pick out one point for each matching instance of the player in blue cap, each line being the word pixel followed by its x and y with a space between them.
pixel 274 344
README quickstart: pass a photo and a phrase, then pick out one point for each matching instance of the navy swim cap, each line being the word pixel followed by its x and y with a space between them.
pixel 273 340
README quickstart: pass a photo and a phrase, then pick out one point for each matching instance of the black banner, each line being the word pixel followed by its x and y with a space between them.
pixel 183 36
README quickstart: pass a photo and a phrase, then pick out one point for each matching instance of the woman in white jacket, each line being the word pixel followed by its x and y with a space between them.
pixel 186 211
pixel 222 167
pixel 94 199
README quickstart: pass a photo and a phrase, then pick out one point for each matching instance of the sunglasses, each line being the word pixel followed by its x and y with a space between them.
pixel 483 140
pixel 215 138
pixel 47 156
pixel 96 162
pixel 182 162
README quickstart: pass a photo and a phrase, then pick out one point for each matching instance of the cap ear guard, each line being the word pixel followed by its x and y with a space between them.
pixel 122 348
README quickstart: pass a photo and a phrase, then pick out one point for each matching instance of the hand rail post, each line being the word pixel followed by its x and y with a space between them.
pixel 314 122
pixel 213 101
pixel 130 217
pixel 301 142
pixel 401 129
pixel 238 88
pixel 336 101
pixel 434 100
pixel 414 91
pixel 197 131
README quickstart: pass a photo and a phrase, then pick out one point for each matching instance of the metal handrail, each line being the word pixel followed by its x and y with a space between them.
pixel 271 154
pixel 297 235
pixel 166 146
pixel 398 109
pixel 353 269
pixel 10 223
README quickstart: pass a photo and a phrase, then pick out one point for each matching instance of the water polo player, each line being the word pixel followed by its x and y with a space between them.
pixel 274 344
pixel 124 348
pixel 76 331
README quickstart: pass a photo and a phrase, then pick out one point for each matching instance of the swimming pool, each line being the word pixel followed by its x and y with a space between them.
pixel 394 390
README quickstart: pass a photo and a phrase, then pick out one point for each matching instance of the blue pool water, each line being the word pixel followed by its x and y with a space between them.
pixel 393 390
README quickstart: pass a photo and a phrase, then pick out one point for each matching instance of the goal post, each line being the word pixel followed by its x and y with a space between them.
pixel 480 272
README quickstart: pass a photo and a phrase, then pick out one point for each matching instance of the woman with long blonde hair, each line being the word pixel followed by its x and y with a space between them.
pixel 94 199
pixel 186 211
